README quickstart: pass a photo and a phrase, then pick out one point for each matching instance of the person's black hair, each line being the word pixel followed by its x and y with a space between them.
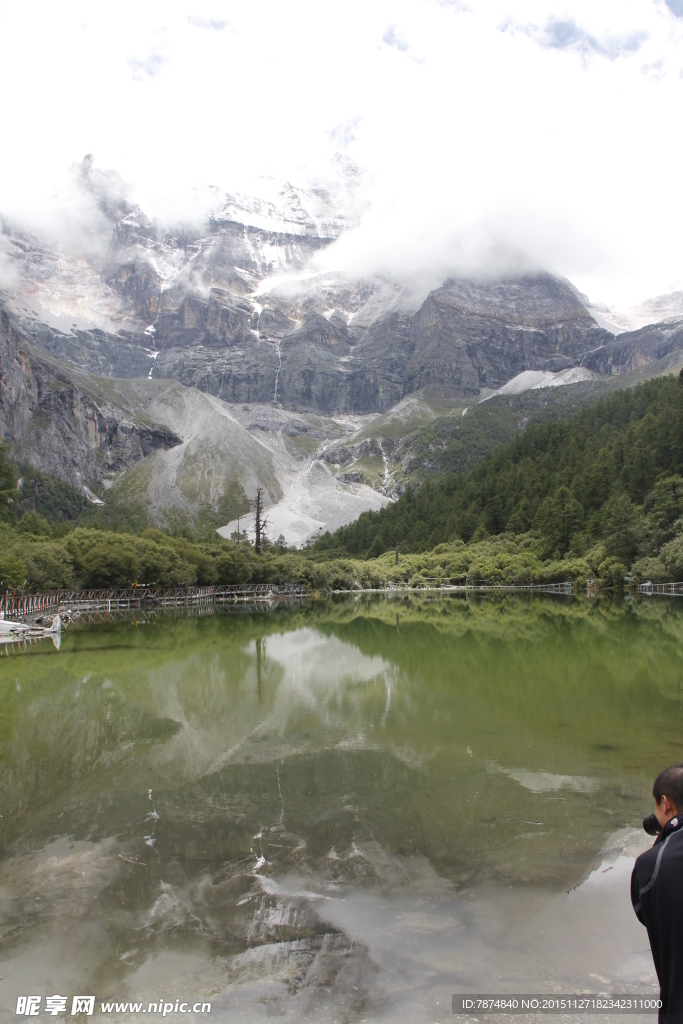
pixel 670 783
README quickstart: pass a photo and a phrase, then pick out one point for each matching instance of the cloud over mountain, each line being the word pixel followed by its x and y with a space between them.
pixel 482 132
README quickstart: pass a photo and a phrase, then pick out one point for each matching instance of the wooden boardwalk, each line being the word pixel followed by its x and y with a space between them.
pixel 91 603
pixel 22 607
pixel 447 587
pixel 661 589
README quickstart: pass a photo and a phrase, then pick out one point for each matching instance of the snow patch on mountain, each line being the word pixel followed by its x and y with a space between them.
pixel 319 211
pixel 619 319
pixel 531 380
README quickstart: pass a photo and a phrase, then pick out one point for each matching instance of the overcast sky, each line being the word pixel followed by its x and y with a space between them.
pixel 482 129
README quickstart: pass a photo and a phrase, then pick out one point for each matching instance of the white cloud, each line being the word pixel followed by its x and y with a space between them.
pixel 149 66
pixel 213 24
pixel 488 133
pixel 566 34
pixel 392 38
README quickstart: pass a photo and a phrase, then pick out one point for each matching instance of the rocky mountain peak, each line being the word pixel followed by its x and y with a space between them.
pixel 236 309
pixel 536 301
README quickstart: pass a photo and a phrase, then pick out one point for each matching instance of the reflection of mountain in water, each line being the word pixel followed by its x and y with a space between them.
pixel 227 781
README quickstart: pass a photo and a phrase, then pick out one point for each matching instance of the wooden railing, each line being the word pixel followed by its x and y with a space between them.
pixel 664 589
pixel 19 606
pixel 434 583
pixel 30 606
pixel 24 606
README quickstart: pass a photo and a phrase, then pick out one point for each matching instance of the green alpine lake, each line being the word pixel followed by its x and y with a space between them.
pixel 345 810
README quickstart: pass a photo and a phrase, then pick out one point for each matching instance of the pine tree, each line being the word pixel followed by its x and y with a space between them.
pixel 260 521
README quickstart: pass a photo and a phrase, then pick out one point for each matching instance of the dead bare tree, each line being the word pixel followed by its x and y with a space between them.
pixel 260 521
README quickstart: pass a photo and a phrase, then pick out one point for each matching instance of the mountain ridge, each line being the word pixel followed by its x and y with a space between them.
pixel 238 311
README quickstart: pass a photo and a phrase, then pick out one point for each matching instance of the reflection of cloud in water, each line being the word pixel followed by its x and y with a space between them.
pixel 547 782
pixel 314 664
pixel 250 719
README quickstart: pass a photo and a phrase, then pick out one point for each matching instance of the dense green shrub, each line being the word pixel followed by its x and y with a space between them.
pixel 232 566
pixel 12 571
pixel 47 564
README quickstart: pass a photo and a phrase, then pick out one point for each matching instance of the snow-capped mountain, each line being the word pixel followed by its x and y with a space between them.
pixel 238 308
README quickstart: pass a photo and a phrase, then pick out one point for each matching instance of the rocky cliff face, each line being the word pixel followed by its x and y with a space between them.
pixel 52 422
pixel 638 349
pixel 465 336
pixel 232 309
pixel 473 335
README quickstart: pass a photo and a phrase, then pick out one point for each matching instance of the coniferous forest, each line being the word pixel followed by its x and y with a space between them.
pixel 611 474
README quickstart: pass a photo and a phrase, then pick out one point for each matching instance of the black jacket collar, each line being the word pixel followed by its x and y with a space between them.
pixel 674 825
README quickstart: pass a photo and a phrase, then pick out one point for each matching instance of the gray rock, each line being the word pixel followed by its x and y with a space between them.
pixel 298 428
pixel 55 425
pixel 636 349
pixel 465 336
pixel 332 346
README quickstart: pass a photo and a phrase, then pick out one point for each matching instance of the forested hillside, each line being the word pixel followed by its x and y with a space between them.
pixel 458 441
pixel 599 496
pixel 611 474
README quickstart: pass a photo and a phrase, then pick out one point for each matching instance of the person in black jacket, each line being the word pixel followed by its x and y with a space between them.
pixel 657 892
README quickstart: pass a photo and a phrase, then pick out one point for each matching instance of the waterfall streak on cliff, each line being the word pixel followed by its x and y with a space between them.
pixel 279 367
